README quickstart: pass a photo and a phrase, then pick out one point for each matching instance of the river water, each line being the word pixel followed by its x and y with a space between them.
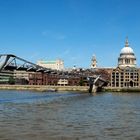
pixel 26 115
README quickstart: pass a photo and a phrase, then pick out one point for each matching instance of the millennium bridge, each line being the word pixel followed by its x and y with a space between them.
pixel 10 62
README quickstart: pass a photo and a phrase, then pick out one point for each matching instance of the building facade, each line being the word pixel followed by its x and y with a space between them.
pixel 126 74
pixel 55 65
pixel 63 82
pixel 39 78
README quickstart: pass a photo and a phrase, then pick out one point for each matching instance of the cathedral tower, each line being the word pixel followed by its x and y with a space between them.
pixel 93 62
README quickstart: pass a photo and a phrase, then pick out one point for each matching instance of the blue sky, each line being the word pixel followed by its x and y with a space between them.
pixel 72 30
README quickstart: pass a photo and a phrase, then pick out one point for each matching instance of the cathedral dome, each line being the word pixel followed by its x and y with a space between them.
pixel 127 50
pixel 127 56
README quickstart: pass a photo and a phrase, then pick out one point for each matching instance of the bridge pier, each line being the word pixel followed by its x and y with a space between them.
pixel 92 84
pixel 94 88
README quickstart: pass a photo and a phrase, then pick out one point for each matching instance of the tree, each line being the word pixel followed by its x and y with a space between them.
pixel 81 83
pixel 11 80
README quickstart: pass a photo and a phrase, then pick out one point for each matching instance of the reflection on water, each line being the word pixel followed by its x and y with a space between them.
pixel 66 116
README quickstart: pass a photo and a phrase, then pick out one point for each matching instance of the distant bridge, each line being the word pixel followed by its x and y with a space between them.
pixel 12 62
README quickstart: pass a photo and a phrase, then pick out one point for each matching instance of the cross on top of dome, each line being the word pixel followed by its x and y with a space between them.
pixel 127 49
pixel 126 42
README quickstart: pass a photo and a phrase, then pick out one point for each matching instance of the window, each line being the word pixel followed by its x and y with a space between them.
pixel 127 61
pixel 117 84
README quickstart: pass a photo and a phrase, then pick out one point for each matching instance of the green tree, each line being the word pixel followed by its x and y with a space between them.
pixel 11 80
pixel 81 83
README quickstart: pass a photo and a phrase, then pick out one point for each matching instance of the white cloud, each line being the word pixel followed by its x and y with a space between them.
pixel 66 52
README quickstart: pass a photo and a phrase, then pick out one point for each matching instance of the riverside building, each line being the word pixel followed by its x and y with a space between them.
pixel 55 65
pixel 126 74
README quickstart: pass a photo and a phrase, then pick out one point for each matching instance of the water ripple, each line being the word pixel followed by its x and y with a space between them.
pixel 69 116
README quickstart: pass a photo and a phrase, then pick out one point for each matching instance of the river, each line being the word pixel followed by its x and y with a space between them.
pixel 28 115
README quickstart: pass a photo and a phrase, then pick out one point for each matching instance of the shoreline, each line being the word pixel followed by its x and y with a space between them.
pixel 44 88
pixel 118 89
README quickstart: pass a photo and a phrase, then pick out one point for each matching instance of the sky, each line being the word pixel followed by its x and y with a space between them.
pixel 71 30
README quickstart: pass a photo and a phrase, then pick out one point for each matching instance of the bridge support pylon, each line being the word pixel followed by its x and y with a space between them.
pixel 94 88
pixel 92 84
